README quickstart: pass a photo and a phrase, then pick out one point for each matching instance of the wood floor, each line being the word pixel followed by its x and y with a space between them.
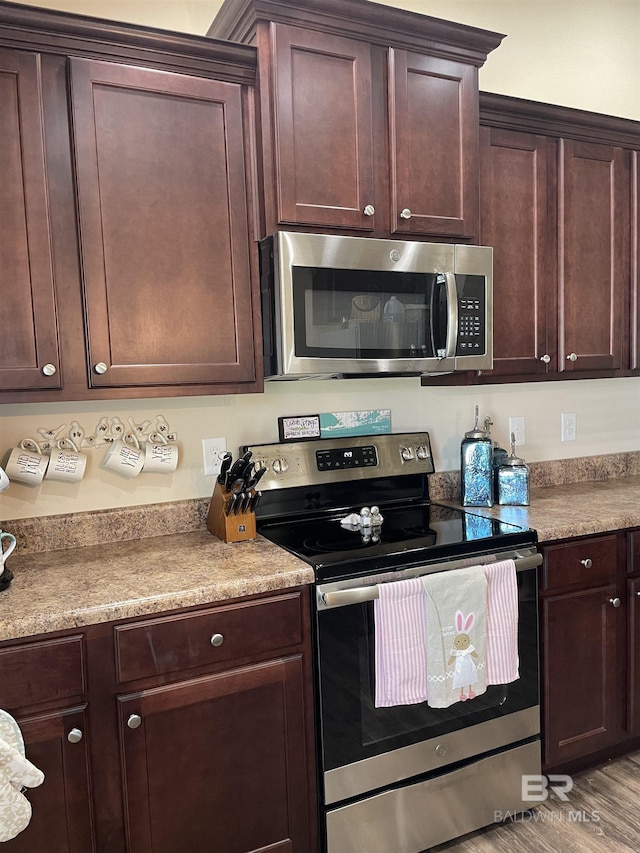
pixel 608 798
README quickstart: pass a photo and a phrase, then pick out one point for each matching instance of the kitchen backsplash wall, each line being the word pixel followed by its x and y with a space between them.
pixel 608 421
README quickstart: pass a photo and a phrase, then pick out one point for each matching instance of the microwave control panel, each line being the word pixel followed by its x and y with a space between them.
pixel 471 316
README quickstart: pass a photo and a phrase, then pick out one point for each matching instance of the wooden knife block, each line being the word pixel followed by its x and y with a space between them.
pixel 229 528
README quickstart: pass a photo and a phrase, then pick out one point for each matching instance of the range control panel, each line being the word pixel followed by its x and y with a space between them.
pixel 305 463
pixel 350 457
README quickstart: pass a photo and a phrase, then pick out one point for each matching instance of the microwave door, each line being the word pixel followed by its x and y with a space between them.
pixel 444 320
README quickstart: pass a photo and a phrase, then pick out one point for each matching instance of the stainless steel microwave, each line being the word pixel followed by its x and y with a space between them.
pixel 359 306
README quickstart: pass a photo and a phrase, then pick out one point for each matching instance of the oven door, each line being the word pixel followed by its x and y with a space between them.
pixel 364 748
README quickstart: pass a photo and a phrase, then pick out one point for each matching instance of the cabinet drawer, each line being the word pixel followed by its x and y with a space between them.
pixel 586 562
pixel 176 643
pixel 41 672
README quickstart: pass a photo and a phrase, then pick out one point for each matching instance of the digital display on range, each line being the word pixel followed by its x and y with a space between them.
pixel 351 457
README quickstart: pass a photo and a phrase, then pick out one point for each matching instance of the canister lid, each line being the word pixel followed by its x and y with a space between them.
pixel 476 432
pixel 512 459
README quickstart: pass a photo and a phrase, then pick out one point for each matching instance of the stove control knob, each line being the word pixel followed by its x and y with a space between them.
pixel 407 454
pixel 422 451
pixel 280 466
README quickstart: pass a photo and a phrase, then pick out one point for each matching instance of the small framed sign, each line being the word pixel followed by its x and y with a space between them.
pixel 299 427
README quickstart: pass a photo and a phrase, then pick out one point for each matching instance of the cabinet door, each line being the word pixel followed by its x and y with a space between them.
pixel 514 217
pixel 61 821
pixel 635 265
pixel 633 648
pixel 323 154
pixel 581 713
pixel 218 763
pixel 593 252
pixel 433 115
pixel 163 226
pixel 29 354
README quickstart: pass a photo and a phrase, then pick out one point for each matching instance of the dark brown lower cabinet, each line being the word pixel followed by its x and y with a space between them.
pixel 189 731
pixel 213 764
pixel 62 817
pixel 633 645
pixel 583 612
pixel 580 632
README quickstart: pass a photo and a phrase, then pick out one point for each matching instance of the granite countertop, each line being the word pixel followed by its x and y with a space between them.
pixel 55 590
pixel 164 558
pixel 577 509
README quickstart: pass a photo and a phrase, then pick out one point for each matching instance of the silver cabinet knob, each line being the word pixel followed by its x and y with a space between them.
pixel 405 214
pixel 100 367
pixel 49 369
pixel 615 601
pixel 369 210
pixel 572 357
pixel 545 358
pixel 217 640
pixel 74 736
pixel 587 563
pixel 638 593
pixel 134 721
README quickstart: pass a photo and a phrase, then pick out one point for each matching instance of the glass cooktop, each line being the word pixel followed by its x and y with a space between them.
pixel 408 535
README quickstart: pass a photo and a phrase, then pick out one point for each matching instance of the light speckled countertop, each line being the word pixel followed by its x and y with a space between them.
pixel 577 509
pixel 54 590
pixel 166 559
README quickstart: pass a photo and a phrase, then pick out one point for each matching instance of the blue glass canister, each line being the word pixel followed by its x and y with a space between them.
pixel 499 455
pixel 513 480
pixel 476 467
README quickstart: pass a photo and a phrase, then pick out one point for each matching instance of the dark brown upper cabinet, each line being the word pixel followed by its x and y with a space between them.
pixel 369 116
pixel 515 186
pixel 127 162
pixel 555 203
pixel 593 280
pixel 29 346
pixel 163 226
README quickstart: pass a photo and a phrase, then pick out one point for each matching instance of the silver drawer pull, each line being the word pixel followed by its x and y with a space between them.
pixel 74 736
pixel 217 640
pixel 369 210
pixel 587 563
pixel 615 601
pixel 545 358
pixel 405 214
pixel 572 357
pixel 134 721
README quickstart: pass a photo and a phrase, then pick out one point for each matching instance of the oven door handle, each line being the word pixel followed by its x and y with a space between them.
pixel 360 594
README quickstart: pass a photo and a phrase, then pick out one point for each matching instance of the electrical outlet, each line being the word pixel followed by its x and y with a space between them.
pixel 569 426
pixel 517 428
pixel 213 449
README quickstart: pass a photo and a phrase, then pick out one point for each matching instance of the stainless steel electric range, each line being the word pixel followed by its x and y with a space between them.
pixel 398 779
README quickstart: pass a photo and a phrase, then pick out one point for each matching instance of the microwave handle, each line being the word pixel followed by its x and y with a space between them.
pixel 451 341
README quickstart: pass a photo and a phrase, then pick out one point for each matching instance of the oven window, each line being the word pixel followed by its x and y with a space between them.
pixel 353 729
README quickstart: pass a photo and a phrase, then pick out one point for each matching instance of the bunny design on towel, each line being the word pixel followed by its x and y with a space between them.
pixel 16 774
pixel 456 635
pixel 465 673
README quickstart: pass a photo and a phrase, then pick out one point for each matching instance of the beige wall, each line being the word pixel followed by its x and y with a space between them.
pixel 582 54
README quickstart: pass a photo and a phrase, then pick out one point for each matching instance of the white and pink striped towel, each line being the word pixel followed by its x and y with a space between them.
pixel 400 644
pixel 502 622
